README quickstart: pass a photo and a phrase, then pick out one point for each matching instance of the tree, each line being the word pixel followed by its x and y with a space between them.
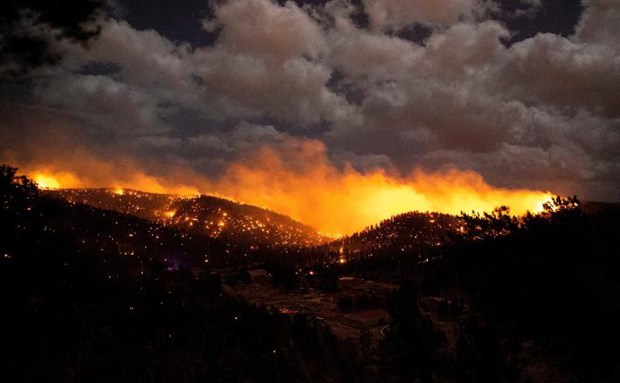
pixel 15 191
pixel 562 204
pixel 497 223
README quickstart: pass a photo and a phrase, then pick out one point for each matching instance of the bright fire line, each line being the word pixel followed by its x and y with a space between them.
pixel 334 202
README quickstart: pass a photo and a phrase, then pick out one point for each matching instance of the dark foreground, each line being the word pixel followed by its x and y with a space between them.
pixel 91 295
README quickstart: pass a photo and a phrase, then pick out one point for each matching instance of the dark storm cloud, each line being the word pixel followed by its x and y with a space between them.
pixel 540 111
pixel 19 51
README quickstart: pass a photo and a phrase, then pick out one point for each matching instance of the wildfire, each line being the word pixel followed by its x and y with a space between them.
pixel 347 200
pixel 55 180
pixel 102 176
pixel 301 182
pixel 46 182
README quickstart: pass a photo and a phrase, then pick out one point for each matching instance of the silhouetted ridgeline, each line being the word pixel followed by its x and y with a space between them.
pixel 491 297
pixel 246 225
pixel 511 300
pixel 411 233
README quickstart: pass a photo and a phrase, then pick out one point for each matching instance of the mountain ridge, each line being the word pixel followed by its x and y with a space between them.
pixel 211 215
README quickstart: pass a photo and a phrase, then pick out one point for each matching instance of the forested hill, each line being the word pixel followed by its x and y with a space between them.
pixel 246 225
pixel 101 296
pixel 401 235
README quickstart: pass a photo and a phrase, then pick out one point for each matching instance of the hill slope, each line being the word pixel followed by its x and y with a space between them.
pixel 246 225
pixel 412 233
pixel 102 296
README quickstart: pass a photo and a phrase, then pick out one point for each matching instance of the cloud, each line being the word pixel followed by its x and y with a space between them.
pixel 279 32
pixel 399 13
pixel 294 91
pixel 21 50
pixel 363 55
pixel 600 23
pixel 554 71
pixel 541 113
pixel 104 103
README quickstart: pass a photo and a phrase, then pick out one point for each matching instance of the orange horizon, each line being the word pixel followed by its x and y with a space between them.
pixel 333 202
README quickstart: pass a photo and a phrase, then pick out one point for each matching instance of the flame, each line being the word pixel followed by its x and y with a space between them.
pixel 342 201
pixel 300 181
pixel 55 180
pixel 101 175
pixel 46 182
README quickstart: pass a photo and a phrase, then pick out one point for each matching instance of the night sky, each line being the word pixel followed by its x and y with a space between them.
pixel 525 93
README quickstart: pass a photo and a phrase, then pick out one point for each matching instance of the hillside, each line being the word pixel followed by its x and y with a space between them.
pixel 101 296
pixel 496 299
pixel 248 226
pixel 421 234
pixel 403 235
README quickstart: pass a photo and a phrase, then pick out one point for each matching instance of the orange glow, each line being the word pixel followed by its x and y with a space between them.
pixel 342 201
pixel 170 214
pixel 46 182
pixel 300 181
pixel 148 183
pixel 94 174
pixel 54 180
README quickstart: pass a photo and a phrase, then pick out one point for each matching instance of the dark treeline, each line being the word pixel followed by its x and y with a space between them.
pixel 535 298
pixel 551 280
pixel 532 299
pixel 410 237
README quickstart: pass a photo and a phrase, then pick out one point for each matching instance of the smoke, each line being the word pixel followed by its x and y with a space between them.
pixel 298 179
pixel 301 182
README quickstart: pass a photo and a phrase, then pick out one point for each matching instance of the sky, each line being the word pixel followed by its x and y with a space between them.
pixel 519 95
